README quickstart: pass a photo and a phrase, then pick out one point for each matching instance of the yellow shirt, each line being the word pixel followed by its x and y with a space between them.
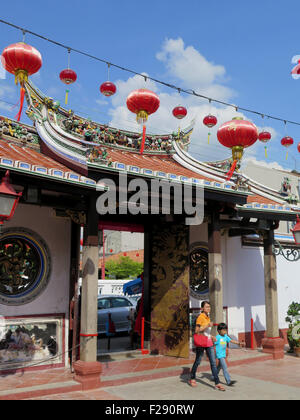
pixel 204 320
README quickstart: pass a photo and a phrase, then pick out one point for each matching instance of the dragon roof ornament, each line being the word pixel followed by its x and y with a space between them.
pixel 43 109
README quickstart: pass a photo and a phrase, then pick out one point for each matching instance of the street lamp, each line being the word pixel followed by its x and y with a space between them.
pixel 8 200
pixel 290 254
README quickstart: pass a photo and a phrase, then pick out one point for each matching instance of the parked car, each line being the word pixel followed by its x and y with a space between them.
pixel 120 308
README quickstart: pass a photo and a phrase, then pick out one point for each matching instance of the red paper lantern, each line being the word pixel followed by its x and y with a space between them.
pixel 142 102
pixel 237 135
pixel 298 147
pixel 296 71
pixel 296 231
pixel 110 250
pixel 210 121
pixel 287 142
pixel 125 254
pixel 67 76
pixel 179 112
pixel 137 255
pixel 264 136
pixel 108 89
pixel 22 60
pixel 9 199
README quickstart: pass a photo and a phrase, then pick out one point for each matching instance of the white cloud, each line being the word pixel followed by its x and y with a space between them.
pixel 8 94
pixel 101 102
pixel 188 65
pixel 270 165
pixel 191 70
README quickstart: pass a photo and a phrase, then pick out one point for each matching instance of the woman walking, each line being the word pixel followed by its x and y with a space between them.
pixel 203 328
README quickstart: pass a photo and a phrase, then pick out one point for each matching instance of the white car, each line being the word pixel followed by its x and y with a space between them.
pixel 121 309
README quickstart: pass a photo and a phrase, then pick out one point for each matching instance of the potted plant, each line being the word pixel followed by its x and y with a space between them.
pixel 293 319
pixel 296 338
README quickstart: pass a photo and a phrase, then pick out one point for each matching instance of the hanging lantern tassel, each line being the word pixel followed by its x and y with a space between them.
pixel 287 154
pixel 22 96
pixel 143 140
pixel 67 96
pixel 231 171
pixel 208 137
pixel 266 154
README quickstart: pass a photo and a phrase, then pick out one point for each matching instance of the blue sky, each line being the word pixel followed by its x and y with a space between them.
pixel 235 51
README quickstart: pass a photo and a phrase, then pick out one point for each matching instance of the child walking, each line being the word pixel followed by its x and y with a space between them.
pixel 220 342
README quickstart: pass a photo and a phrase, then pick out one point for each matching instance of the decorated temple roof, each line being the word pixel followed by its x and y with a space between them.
pixel 22 153
pixel 71 148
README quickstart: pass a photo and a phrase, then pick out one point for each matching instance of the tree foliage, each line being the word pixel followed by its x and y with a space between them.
pixel 123 268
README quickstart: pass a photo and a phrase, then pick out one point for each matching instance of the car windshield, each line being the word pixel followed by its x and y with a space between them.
pixel 104 303
pixel 120 302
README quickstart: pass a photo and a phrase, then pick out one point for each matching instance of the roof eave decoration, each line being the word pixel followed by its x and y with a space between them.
pixel 76 141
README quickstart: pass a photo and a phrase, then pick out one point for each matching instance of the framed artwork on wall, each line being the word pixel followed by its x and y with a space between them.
pixel 33 341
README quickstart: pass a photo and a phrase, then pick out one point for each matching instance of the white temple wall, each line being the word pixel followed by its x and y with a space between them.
pixel 56 233
pixel 243 284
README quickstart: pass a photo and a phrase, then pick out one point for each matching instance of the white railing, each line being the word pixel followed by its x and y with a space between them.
pixel 110 287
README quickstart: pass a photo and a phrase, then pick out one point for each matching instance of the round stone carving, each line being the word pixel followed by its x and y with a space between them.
pixel 25 266
pixel 199 280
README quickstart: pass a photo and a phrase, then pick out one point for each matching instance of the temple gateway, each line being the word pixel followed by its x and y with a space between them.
pixel 229 258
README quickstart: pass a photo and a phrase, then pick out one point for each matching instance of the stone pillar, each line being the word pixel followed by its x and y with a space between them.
pixel 272 344
pixel 215 273
pixel 147 285
pixel 170 290
pixel 87 369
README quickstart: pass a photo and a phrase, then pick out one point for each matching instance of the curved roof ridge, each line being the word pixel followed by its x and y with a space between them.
pixel 157 142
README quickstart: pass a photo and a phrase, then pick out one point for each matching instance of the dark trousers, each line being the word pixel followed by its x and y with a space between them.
pixel 212 360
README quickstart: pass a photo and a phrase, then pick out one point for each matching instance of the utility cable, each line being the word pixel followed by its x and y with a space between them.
pixel 179 89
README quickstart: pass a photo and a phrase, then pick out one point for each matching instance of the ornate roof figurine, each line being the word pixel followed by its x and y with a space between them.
pixel 292 199
pixel 17 131
pixel 241 184
pixel 286 187
pixel 98 154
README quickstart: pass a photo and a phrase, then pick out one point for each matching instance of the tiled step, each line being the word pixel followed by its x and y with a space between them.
pixel 40 390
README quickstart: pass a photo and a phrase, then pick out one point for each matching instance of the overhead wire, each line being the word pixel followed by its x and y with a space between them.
pixel 146 77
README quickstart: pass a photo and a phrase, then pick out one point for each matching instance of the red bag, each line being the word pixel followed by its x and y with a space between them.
pixel 200 340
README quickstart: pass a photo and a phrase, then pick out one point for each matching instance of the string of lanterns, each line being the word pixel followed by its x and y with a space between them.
pixel 23 60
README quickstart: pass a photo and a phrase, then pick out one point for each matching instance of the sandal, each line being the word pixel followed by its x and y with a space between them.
pixel 220 388
pixel 192 382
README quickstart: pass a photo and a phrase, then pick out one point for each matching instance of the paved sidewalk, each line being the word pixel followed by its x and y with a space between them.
pixel 133 376
pixel 268 380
